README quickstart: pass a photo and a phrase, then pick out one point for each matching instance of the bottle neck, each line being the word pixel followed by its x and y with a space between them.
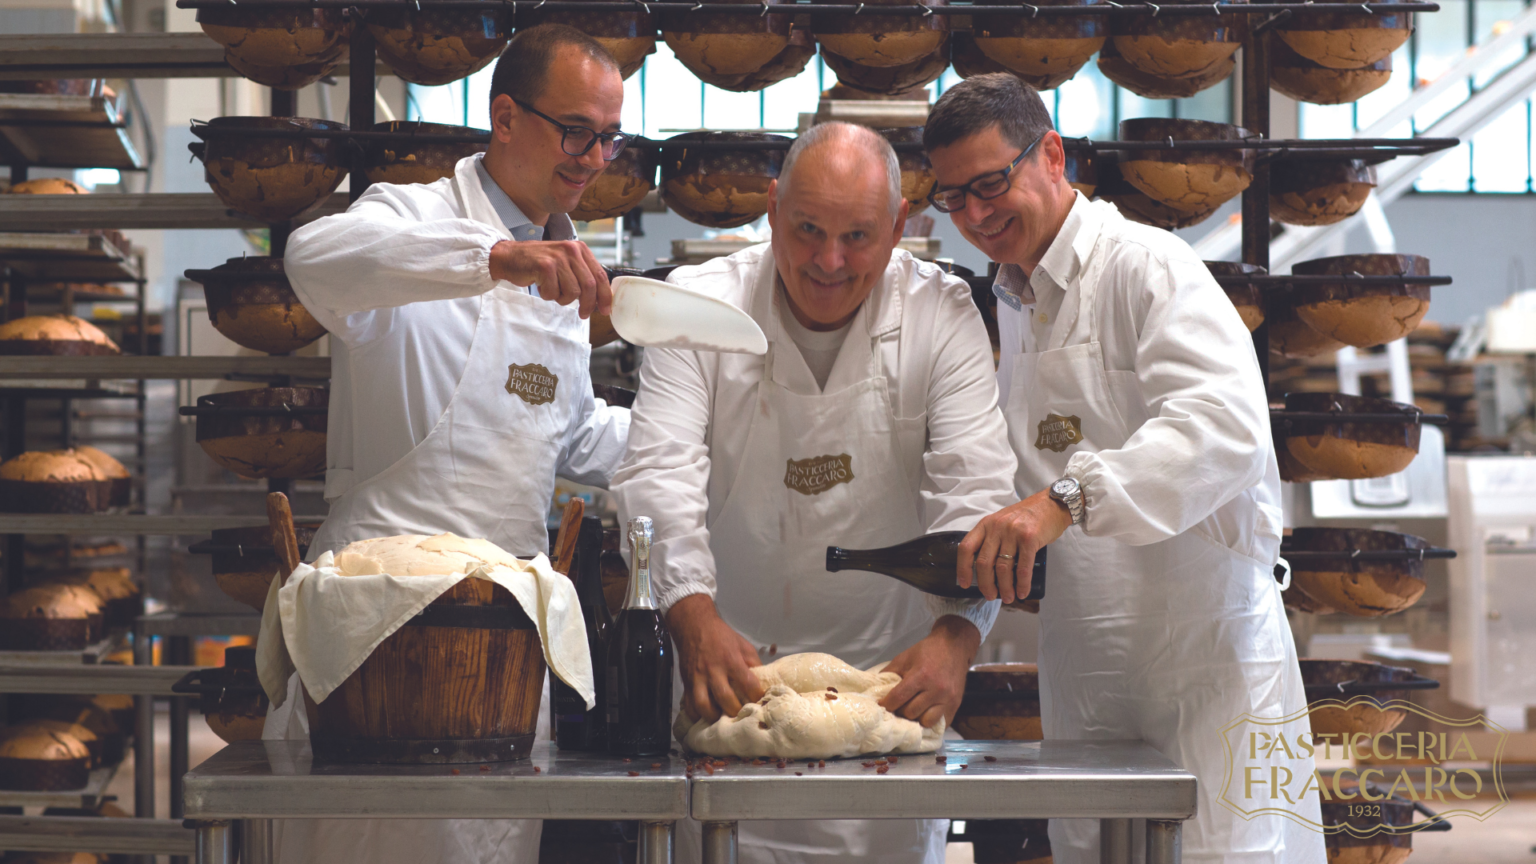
pixel 640 596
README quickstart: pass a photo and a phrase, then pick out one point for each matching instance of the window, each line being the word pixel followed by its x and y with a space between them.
pixel 1499 157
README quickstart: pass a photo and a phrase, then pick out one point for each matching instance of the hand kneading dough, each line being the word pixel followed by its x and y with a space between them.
pixel 420 555
pixel 816 707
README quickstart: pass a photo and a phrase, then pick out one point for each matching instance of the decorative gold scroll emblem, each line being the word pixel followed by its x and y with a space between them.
pixel 533 383
pixel 1057 433
pixel 818 474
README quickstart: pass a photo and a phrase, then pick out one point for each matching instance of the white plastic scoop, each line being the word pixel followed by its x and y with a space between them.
pixel 657 314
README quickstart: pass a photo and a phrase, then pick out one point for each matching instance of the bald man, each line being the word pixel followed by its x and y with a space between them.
pixel 871 420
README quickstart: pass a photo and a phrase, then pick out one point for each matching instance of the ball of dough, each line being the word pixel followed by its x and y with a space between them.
pixel 420 555
pixel 816 707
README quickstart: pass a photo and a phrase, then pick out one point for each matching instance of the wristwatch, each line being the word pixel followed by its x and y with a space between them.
pixel 1070 493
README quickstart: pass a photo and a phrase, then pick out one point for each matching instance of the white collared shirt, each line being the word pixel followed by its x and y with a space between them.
pixel 1180 364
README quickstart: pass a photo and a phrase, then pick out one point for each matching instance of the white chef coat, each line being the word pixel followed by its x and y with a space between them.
pixel 1170 626
pixel 694 408
pixel 910 405
pixel 402 281
pixel 397 280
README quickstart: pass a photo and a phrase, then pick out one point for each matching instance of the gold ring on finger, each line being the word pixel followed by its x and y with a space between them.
pixel 1006 557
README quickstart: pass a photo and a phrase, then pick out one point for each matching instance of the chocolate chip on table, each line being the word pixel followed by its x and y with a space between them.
pixel 798 774
pixel 883 769
pixel 537 769
pixel 941 759
pixel 655 764
pixel 634 773
pixel 455 772
pixel 990 758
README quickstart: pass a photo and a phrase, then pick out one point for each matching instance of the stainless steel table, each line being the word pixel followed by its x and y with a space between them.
pixel 255 782
pixel 1112 781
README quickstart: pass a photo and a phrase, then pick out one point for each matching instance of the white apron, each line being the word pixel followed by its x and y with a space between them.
pixel 818 471
pixel 1168 642
pixel 486 470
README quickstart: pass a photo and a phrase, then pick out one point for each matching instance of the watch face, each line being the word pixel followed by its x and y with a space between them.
pixel 1064 487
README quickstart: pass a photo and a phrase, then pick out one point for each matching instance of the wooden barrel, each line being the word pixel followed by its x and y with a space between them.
pixel 459 683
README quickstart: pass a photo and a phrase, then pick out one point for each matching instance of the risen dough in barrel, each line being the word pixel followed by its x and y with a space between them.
pixel 816 707
pixel 420 555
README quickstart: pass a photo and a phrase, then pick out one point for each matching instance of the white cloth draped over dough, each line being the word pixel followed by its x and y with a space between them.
pixel 816 707
pixel 328 617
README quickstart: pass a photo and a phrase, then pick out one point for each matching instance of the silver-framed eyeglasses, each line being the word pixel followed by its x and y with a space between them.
pixel 985 187
pixel 577 140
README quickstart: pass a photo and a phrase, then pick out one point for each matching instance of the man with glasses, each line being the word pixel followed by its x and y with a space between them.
pixel 460 384
pixel 872 420
pixel 1139 419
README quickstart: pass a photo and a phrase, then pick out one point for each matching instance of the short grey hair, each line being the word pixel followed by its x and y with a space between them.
pixel 866 139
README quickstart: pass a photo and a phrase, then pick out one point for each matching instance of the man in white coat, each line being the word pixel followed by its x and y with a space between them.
pixel 871 420
pixel 1138 415
pixel 460 383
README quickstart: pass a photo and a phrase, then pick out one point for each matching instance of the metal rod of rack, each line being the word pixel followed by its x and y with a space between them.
pixel 1308 147
pixel 1276 280
pixel 1366 554
pixel 1361 417
pixel 1090 10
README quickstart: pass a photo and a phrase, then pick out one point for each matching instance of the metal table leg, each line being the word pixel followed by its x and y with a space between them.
pixel 719 843
pixel 655 843
pixel 1165 842
pixel 256 841
pixel 1114 841
pixel 214 844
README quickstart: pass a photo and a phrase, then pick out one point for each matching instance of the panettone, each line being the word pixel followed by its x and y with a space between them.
pixel 119 706
pixel 71 730
pixel 1363 315
pixel 1045 52
pixel 1190 182
pixel 271 445
pixel 282 48
pixel 1365 588
pixel 720 188
pixel 1136 205
pixel 1352 449
pixel 432 48
pixel 52 601
pixel 52 481
pixel 122 482
pixel 42 760
pixel 1306 81
pixel 122 601
pixel 1150 86
pixel 54 335
pixel 882 40
pixel 726 54
pixel 621 186
pixel 1319 192
pixel 1289 336
pixel 48 186
pixel 51 618
pixel 890 80
pixel 81 711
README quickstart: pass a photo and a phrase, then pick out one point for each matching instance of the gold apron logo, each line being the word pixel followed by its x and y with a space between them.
pixel 1057 433
pixel 533 383
pixel 818 474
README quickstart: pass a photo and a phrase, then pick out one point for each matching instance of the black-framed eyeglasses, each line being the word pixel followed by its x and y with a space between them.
pixel 577 140
pixel 985 187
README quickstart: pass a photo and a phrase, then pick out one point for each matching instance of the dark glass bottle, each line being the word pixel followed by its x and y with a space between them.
pixel 639 674
pixel 926 563
pixel 575 727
